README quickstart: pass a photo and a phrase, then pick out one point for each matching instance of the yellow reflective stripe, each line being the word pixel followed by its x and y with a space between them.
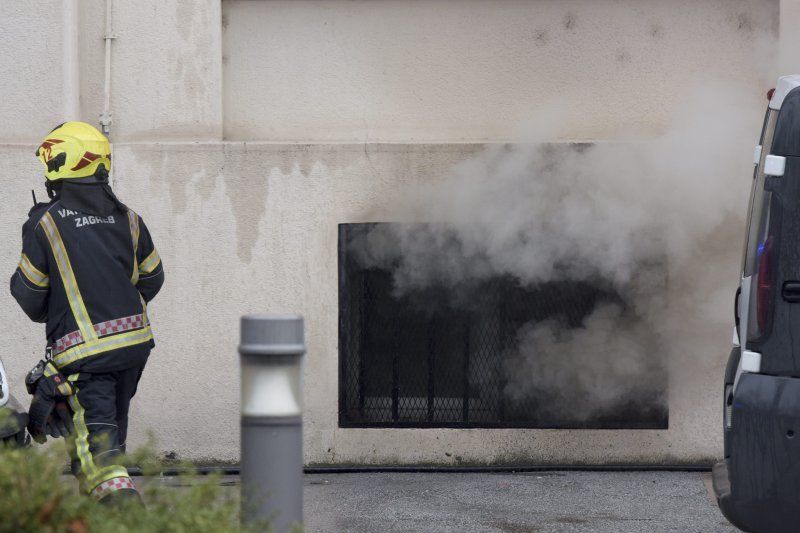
pixel 81 437
pixel 94 476
pixel 64 388
pixel 33 274
pixel 113 342
pixel 68 278
pixel 145 320
pixel 150 263
pixel 133 222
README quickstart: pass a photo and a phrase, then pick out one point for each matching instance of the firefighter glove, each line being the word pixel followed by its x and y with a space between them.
pixel 49 413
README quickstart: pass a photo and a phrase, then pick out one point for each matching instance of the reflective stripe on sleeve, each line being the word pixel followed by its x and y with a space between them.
pixel 33 274
pixel 144 309
pixel 133 222
pixel 150 263
pixel 68 278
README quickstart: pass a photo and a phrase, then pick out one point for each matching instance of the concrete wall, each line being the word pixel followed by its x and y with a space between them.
pixel 789 60
pixel 166 80
pixel 475 70
pixel 252 226
pixel 32 70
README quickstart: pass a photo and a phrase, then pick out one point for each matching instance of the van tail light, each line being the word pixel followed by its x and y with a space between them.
pixel 764 288
pixel 770 93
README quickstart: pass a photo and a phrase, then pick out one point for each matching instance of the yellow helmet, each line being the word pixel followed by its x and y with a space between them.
pixel 74 150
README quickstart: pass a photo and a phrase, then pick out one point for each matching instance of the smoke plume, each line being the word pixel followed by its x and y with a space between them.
pixel 658 220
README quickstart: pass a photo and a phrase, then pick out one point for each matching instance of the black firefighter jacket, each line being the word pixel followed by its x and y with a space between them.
pixel 88 269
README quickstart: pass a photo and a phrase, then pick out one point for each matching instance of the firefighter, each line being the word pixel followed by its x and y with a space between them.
pixel 88 270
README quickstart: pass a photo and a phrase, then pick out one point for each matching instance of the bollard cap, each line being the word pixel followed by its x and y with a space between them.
pixel 272 336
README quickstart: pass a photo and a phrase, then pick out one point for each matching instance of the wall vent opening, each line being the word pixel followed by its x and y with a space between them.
pixel 444 357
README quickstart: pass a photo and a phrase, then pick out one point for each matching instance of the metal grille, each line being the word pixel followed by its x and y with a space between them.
pixel 430 358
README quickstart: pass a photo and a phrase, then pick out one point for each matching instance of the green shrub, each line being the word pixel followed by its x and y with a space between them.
pixel 36 496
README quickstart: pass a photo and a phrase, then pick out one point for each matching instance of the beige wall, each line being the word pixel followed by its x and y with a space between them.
pixel 32 71
pixel 246 227
pixel 476 70
pixel 789 58
pixel 236 238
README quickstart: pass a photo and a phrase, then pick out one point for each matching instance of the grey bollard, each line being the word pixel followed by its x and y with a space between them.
pixel 271 352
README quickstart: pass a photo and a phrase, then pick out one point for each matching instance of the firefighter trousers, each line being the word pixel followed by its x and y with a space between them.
pixel 100 414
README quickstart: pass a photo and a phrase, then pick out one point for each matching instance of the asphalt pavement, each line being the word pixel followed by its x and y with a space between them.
pixel 512 502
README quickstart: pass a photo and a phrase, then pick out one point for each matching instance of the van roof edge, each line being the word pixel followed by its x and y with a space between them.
pixel 785 84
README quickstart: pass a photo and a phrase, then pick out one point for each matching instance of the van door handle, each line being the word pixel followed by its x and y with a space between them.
pixel 791 291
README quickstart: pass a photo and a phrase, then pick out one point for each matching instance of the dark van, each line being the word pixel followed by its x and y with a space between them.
pixel 758 483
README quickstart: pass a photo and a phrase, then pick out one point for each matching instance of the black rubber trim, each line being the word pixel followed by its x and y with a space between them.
pixel 506 469
pixel 234 470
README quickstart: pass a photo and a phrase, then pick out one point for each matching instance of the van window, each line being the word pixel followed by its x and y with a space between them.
pixel 760 249
pixel 759 199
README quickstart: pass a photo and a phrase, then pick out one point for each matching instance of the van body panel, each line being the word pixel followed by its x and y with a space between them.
pixel 787 131
pixel 744 317
pixel 779 347
pixel 730 375
pixel 761 491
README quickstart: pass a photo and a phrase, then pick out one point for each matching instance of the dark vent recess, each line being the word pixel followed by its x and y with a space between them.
pixel 432 358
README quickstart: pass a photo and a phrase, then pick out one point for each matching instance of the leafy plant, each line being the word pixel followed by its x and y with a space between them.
pixel 36 496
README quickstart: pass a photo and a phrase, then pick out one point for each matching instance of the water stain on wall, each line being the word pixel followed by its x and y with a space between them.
pixel 569 20
pixel 246 178
pixel 656 31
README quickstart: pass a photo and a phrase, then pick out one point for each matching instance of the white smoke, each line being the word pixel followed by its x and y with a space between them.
pixel 659 220
pixel 608 350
